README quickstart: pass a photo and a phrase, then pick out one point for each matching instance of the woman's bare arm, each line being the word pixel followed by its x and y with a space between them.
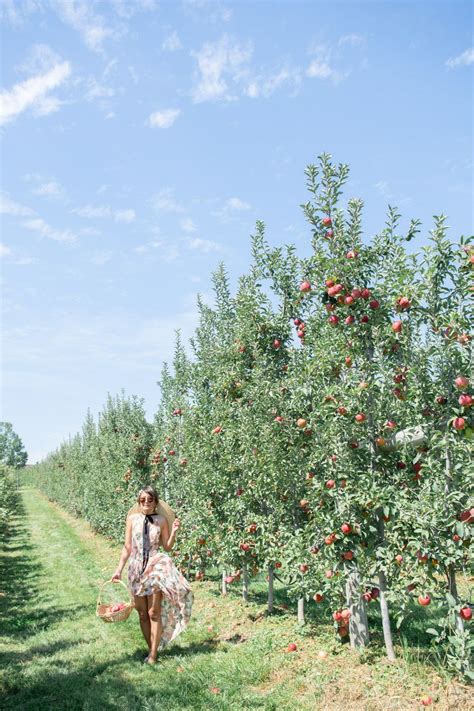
pixel 167 539
pixel 126 550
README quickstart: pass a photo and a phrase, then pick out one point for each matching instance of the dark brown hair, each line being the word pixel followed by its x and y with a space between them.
pixel 151 492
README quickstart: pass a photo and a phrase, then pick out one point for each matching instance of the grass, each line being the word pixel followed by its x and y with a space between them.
pixel 56 654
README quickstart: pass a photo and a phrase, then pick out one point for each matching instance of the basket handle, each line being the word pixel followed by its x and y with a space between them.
pixel 101 587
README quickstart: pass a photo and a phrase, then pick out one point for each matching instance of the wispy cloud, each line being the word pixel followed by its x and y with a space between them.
pixel 101 258
pixel 34 93
pixel 163 119
pixel 51 189
pixel 386 191
pixel 10 207
pixel 211 11
pixel 322 70
pixel 230 208
pixel 5 251
pixel 224 70
pixel 187 225
pixel 236 203
pixel 37 224
pixel 80 15
pixel 204 245
pixel 462 60
pixel 164 200
pixel 92 212
pixel 166 251
pixel 218 65
pixel 172 43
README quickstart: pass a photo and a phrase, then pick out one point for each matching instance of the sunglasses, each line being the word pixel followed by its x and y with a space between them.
pixel 146 501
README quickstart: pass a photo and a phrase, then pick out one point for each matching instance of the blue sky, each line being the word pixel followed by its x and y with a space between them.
pixel 142 140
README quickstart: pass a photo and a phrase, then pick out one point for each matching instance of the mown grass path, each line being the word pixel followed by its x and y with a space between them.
pixel 56 654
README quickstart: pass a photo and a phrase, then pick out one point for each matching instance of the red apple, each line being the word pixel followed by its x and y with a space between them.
pixel 303 568
pixel 365 293
pixel 397 326
pixel 364 318
pixel 424 600
pixel 330 484
pixel 278 418
pixel 461 382
pixel 342 410
pixel 426 700
pixel 466 613
pixel 305 286
pixel 356 293
pixel 326 221
pixel 465 400
pixel 217 429
pixel 374 304
pixel 329 234
pixel 403 303
pixel 352 254
pixel 318 597
pixel 459 423
pixel 349 319
pixel 346 528
pixel 360 417
pixel 301 423
pixel 276 344
pixel 333 320
pixel 348 555
pixel 291 647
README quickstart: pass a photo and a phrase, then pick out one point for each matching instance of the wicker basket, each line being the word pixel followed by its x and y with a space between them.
pixel 104 612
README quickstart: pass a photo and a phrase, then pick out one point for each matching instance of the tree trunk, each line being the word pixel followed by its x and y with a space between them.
pixel 453 589
pixel 245 584
pixel 358 623
pixel 301 619
pixel 451 571
pixel 270 589
pixel 387 631
pixel 223 583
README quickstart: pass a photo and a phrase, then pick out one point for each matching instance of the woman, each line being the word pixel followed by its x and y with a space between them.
pixel 163 597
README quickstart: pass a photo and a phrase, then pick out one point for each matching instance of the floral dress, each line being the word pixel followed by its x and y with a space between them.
pixel 160 574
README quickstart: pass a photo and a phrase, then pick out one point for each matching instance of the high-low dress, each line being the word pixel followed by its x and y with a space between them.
pixel 160 574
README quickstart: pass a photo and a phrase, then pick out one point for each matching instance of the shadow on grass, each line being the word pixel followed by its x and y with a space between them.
pixel 20 612
pixel 124 683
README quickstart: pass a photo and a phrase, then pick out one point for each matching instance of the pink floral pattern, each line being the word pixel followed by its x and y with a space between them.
pixel 159 574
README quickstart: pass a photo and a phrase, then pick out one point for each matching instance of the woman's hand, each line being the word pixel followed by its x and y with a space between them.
pixel 176 525
pixel 116 576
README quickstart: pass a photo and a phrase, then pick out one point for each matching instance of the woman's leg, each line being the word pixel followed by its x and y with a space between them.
pixel 141 605
pixel 154 612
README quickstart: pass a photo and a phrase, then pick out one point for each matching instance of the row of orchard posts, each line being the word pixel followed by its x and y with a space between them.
pixel 321 429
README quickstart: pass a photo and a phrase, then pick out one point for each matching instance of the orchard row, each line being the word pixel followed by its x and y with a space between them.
pixel 321 429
